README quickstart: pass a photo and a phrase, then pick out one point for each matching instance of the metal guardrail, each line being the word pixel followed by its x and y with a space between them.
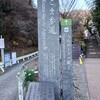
pixel 27 56
pixel 21 76
pixel 18 59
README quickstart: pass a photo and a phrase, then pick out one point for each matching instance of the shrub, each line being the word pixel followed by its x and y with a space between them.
pixel 29 75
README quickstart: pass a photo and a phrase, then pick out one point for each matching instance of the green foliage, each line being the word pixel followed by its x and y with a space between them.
pixel 19 21
pixel 96 13
pixel 29 75
pixel 6 6
pixel 82 44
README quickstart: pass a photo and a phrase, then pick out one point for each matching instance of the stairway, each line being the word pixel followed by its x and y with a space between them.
pixel 93 50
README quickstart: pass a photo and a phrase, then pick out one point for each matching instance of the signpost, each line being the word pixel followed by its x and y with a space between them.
pixel 66 58
pixel 2 43
pixel 7 60
pixel 14 58
pixel 48 41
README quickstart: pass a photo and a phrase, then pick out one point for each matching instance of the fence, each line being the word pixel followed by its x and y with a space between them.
pixel 76 53
pixel 20 59
pixel 21 78
pixel 27 56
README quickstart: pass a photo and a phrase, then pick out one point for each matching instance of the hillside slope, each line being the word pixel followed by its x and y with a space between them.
pixel 18 21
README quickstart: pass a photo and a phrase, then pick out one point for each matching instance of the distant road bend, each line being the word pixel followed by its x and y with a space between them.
pixel 9 83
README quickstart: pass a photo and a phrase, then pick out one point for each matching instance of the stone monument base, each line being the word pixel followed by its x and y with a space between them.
pixel 40 91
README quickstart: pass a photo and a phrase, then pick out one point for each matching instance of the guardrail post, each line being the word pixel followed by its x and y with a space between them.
pixel 20 88
pixel 2 69
pixel 2 55
pixel 27 56
pixel 23 59
pixel 18 61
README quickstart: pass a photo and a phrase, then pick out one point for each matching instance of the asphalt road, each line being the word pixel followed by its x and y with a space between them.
pixel 8 82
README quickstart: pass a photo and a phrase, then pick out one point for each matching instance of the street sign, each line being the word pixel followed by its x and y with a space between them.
pixel 66 22
pixel 2 45
pixel 66 29
pixel 7 60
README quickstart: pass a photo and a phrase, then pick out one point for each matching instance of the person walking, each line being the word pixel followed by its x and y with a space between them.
pixel 86 36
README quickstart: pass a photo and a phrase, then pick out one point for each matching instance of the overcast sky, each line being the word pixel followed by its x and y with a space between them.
pixel 80 4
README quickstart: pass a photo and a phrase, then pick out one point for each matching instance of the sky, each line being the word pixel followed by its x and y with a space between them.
pixel 80 4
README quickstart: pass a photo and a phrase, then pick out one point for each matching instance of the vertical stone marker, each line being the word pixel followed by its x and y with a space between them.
pixel 66 62
pixel 48 42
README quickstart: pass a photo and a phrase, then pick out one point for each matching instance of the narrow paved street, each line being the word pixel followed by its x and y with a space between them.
pixel 92 65
pixel 8 82
pixel 93 76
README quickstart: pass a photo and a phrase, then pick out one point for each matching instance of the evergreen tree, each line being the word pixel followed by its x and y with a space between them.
pixel 96 14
